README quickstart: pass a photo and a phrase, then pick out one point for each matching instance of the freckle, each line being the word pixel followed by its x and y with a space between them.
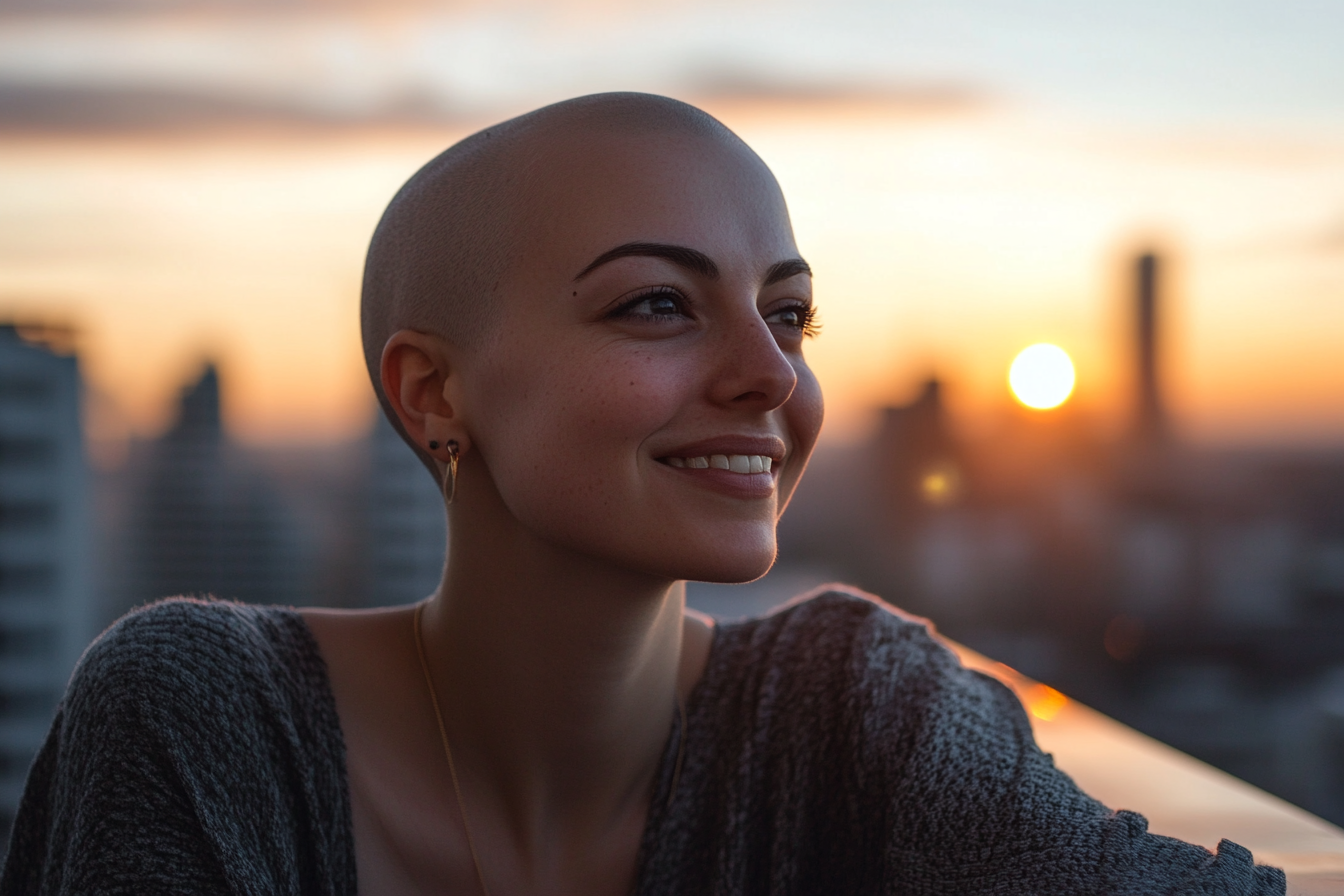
pixel 576 293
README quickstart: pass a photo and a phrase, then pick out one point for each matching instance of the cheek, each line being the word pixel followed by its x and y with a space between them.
pixel 605 405
pixel 803 415
pixel 563 433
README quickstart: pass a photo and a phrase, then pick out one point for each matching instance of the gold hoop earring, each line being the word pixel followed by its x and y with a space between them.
pixel 450 473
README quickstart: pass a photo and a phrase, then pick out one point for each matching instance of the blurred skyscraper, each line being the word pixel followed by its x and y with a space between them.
pixel 1150 413
pixel 407 531
pixel 209 522
pixel 45 607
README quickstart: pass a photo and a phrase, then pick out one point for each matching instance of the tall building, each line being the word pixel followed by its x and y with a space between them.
pixel 1150 414
pixel 45 604
pixel 407 529
pixel 209 522
pixel 919 460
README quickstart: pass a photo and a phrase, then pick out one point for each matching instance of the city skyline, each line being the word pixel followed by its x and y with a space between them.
pixel 200 179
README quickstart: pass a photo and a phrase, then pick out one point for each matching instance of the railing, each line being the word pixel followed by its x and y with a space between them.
pixel 1180 796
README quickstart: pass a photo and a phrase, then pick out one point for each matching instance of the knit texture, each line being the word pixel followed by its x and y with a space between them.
pixel 832 747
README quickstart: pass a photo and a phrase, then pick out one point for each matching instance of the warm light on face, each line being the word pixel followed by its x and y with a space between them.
pixel 1041 376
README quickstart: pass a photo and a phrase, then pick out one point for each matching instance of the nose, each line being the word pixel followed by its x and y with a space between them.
pixel 750 370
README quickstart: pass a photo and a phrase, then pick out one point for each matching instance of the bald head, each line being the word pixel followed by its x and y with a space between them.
pixel 449 236
pixel 452 235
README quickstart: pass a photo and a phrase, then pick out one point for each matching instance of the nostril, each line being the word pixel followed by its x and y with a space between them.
pixel 750 396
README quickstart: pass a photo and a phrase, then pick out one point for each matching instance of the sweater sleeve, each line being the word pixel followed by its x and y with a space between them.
pixel 980 808
pixel 176 765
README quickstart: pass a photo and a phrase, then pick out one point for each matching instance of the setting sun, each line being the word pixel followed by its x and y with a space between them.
pixel 1041 376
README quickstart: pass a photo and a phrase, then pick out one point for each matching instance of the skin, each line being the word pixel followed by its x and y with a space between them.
pixel 559 640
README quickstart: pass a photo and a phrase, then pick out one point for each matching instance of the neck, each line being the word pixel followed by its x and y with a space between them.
pixel 558 677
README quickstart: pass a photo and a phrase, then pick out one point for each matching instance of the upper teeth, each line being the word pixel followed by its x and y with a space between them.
pixel 737 463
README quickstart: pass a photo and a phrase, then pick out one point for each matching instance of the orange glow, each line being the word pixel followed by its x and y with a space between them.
pixel 1040 700
pixel 941 242
pixel 1044 702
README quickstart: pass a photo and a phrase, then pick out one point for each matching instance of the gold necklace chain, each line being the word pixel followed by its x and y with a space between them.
pixel 447 750
pixel 452 767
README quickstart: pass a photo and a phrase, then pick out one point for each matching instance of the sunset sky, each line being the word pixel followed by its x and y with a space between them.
pixel 965 181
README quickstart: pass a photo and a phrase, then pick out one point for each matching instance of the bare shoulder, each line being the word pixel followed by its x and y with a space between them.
pixel 342 628
pixel 366 653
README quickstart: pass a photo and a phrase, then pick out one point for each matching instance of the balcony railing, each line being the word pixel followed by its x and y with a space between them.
pixel 1180 796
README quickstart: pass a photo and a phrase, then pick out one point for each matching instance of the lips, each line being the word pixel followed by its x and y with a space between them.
pixel 740 466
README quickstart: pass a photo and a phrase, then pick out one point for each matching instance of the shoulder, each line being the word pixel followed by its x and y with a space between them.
pixel 177 652
pixel 839 632
pixel 877 677
pixel 197 741
pixel 183 634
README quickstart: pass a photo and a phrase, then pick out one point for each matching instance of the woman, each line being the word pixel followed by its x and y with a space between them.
pixel 589 323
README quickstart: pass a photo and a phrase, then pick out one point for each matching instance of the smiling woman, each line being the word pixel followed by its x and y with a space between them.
pixel 589 323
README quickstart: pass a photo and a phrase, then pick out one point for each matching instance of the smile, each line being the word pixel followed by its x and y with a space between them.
pixel 734 463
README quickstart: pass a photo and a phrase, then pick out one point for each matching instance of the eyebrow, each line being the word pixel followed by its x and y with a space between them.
pixel 783 270
pixel 692 260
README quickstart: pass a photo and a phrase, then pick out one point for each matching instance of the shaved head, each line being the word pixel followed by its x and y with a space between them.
pixel 450 236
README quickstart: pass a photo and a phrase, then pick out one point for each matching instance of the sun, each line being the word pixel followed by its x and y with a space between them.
pixel 1041 376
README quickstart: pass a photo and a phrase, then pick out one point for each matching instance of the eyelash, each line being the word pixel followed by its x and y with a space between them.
pixel 658 292
pixel 808 327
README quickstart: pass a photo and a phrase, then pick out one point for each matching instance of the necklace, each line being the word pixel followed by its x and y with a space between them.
pixel 452 767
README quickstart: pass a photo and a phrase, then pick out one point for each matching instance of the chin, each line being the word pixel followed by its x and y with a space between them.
pixel 724 566
pixel 739 552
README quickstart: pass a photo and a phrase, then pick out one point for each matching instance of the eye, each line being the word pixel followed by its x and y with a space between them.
pixel 800 317
pixel 660 303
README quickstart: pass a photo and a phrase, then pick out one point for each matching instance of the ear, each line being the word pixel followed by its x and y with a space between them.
pixel 420 383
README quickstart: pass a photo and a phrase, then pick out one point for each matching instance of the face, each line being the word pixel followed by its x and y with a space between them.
pixel 643 398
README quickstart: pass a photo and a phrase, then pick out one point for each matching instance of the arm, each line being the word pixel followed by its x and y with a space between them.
pixel 999 811
pixel 104 810
pixel 196 752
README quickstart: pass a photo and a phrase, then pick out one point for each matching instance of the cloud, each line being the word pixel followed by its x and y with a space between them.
pixel 763 86
pixel 332 68
pixel 79 108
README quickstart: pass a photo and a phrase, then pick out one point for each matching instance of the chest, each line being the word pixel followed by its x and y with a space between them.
pixel 408 836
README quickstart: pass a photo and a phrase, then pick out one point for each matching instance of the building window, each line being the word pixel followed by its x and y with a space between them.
pixel 26 451
pixel 19 516
pixel 24 388
pixel 17 579
pixel 26 702
pixel 27 642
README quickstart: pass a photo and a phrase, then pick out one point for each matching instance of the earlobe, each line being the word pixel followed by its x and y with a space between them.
pixel 415 374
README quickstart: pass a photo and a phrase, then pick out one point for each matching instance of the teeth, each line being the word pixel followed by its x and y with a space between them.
pixel 736 463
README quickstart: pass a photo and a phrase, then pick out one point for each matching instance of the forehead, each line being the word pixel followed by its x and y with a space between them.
pixel 591 191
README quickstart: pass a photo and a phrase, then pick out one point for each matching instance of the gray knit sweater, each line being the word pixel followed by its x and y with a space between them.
pixel 832 747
